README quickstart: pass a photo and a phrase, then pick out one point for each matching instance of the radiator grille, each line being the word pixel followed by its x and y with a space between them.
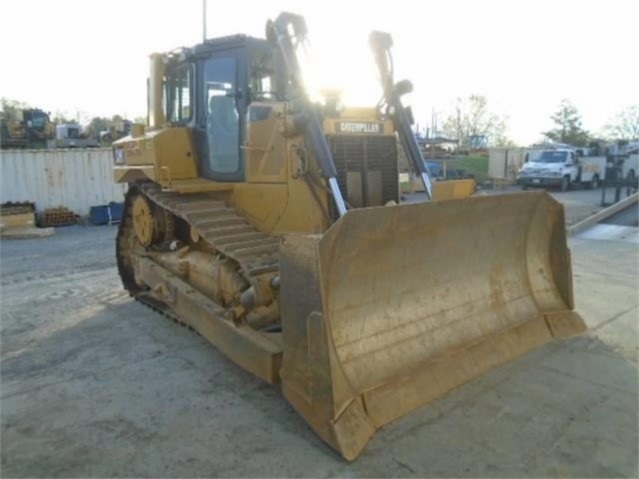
pixel 359 157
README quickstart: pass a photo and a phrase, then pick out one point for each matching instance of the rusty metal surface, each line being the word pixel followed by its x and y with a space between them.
pixel 393 307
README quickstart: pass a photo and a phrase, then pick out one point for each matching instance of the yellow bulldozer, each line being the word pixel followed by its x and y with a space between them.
pixel 271 225
pixel 25 128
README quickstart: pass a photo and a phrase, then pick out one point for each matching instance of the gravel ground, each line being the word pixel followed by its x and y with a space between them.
pixel 96 385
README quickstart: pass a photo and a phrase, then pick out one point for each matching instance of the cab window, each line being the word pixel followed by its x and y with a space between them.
pixel 222 119
pixel 177 95
pixel 261 76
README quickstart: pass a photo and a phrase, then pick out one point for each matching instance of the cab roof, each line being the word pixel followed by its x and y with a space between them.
pixel 209 46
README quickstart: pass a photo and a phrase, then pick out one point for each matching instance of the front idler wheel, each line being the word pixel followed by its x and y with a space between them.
pixel 153 225
pixel 143 223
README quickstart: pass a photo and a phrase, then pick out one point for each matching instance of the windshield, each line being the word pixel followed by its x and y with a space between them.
pixel 38 120
pixel 552 157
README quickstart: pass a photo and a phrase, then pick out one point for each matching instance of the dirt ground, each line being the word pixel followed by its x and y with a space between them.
pixel 96 385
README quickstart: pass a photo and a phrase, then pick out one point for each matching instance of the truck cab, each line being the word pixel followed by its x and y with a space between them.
pixel 563 168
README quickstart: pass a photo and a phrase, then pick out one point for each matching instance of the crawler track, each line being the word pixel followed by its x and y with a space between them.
pixel 219 226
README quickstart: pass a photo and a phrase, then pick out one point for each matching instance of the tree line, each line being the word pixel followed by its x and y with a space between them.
pixel 472 116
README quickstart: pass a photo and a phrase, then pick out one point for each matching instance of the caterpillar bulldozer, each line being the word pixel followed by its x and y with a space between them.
pixel 25 128
pixel 270 225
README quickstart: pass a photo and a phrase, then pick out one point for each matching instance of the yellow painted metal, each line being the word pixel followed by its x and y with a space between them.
pixel 131 174
pixel 143 223
pixel 157 68
pixel 449 189
pixel 258 353
pixel 278 209
pixel 173 149
pixel 358 116
pixel 137 130
pixel 380 320
pixel 282 193
pixel 264 150
pixel 169 152
pixel 200 185
pixel 137 151
pixel 331 126
pixel 361 112
pixel 214 277
pixel 442 190
pixel 275 197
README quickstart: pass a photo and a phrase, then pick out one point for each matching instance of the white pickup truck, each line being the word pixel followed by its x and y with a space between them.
pixel 562 168
pixel 630 169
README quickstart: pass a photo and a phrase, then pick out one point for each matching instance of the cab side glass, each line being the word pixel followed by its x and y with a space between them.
pixel 177 96
pixel 222 119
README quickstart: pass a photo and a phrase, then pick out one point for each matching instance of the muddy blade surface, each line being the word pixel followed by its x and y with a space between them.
pixel 393 307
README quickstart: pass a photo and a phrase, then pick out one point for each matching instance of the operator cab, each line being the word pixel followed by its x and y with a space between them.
pixel 209 88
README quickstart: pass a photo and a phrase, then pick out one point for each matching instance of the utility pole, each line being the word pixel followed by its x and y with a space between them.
pixel 203 20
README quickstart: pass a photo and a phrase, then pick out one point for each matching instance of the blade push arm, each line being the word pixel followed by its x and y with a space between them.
pixel 282 31
pixel 380 43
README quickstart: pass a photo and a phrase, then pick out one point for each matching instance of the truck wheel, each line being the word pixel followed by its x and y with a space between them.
pixel 594 184
pixel 565 183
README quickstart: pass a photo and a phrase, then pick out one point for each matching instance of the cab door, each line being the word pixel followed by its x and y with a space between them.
pixel 221 126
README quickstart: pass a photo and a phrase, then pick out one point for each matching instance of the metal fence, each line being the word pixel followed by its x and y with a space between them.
pixel 76 179
pixel 505 162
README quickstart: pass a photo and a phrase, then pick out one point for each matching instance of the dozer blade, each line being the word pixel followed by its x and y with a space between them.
pixel 395 306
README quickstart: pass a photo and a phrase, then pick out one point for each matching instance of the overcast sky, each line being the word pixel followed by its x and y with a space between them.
pixel 525 56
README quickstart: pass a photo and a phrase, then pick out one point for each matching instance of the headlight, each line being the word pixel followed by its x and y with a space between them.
pixel 118 156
